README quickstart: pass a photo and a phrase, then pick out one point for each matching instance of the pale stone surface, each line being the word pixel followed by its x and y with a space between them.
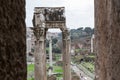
pixel 50 51
pixel 50 54
pixel 40 56
pixel 107 36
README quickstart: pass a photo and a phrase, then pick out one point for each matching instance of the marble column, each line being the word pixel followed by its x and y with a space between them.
pixel 40 56
pixel 50 55
pixel 66 55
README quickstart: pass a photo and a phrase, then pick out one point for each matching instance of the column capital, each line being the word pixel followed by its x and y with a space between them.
pixel 39 33
pixel 66 34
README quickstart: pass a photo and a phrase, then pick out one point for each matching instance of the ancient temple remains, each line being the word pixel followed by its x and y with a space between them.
pixel 45 18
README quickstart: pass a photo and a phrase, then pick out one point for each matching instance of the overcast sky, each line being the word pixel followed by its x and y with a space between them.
pixel 79 13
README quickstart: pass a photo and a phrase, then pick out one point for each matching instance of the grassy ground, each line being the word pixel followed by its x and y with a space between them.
pixel 59 71
pixel 57 56
pixel 85 63
pixel 30 71
pixel 56 69
pixel 86 71
pixel 30 67
pixel 30 79
pixel 88 66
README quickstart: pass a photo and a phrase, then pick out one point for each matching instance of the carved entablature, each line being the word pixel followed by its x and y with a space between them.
pixel 52 17
pixel 52 13
pixel 55 24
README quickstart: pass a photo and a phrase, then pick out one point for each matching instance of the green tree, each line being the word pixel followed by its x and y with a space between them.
pixel 88 30
pixel 56 50
pixel 54 41
pixel 47 43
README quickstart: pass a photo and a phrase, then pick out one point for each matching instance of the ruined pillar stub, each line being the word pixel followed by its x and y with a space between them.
pixel 66 54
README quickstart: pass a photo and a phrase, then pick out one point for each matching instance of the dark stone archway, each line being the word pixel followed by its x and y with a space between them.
pixel 12 40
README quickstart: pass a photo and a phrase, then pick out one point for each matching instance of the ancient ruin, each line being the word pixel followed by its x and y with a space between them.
pixel 13 44
pixel 45 18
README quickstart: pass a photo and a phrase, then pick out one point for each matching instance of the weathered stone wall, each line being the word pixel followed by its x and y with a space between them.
pixel 12 40
pixel 107 34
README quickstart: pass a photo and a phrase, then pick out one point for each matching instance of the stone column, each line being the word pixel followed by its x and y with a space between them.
pixel 40 56
pixel 92 43
pixel 107 38
pixel 45 74
pixel 66 55
pixel 50 54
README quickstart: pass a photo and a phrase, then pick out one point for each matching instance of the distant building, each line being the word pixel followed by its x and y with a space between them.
pixel 81 46
pixel 30 40
pixel 30 44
